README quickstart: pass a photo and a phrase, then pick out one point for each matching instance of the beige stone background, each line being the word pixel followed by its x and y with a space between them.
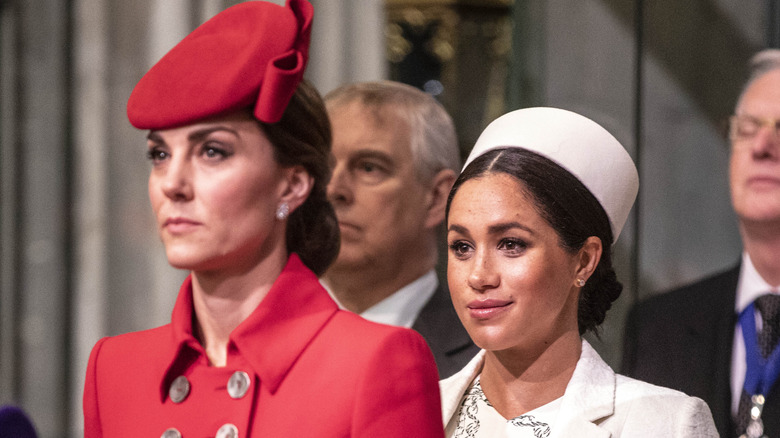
pixel 79 257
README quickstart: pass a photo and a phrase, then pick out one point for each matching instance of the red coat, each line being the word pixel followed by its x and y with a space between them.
pixel 313 371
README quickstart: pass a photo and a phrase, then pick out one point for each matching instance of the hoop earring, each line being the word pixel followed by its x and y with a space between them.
pixel 282 211
pixel 580 282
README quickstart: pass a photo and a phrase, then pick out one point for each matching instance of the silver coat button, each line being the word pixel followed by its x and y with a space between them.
pixel 180 389
pixel 227 431
pixel 171 433
pixel 238 385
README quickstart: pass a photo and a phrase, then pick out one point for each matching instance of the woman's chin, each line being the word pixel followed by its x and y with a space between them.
pixel 186 261
pixel 491 341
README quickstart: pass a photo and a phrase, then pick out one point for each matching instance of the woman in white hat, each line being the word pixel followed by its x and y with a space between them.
pixel 530 225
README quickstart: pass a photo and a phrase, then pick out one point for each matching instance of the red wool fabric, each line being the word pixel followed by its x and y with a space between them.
pixel 251 55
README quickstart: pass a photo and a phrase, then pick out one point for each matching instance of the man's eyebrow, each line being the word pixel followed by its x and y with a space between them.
pixel 371 153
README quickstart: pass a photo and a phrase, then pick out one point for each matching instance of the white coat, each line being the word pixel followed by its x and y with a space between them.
pixel 598 403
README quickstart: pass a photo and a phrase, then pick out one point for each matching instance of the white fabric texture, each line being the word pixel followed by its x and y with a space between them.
pixel 576 143
pixel 599 403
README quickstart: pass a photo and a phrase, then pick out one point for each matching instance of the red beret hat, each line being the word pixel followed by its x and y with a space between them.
pixel 251 55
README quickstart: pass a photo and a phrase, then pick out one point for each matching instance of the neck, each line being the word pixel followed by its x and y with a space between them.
pixel 221 301
pixel 358 289
pixel 762 242
pixel 519 381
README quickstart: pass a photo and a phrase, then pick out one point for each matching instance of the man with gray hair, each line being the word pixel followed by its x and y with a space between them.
pixel 716 338
pixel 396 158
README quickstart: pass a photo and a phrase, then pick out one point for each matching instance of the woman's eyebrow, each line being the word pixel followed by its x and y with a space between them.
pixel 154 136
pixel 492 229
pixel 204 132
pixel 195 135
pixel 504 227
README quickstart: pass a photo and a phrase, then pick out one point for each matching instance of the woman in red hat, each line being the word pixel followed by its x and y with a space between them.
pixel 239 148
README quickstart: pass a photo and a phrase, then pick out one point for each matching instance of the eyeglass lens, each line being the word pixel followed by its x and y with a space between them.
pixel 744 126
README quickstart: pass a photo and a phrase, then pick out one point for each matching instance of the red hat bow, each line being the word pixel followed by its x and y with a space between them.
pixel 285 72
pixel 249 55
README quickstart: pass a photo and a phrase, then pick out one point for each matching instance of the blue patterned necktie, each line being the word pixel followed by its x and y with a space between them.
pixel 768 307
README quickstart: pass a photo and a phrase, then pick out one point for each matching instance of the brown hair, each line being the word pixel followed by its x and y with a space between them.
pixel 569 208
pixel 303 137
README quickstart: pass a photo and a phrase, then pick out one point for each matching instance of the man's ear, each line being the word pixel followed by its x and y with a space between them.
pixel 298 183
pixel 589 257
pixel 437 197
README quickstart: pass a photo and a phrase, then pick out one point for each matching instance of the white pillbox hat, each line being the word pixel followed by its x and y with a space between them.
pixel 577 144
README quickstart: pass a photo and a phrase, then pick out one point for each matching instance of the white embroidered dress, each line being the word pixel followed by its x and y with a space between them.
pixel 478 419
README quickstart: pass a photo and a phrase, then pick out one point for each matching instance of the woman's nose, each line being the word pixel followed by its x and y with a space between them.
pixel 176 182
pixel 483 275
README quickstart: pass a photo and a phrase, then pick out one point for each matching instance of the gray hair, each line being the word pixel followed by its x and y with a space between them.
pixel 431 131
pixel 761 63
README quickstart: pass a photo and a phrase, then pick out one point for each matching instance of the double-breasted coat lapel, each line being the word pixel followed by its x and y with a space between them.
pixel 296 365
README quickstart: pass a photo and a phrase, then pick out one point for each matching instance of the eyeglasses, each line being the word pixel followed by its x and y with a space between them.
pixel 744 127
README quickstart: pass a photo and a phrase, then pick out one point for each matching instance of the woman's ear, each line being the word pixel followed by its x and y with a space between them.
pixel 589 256
pixel 298 185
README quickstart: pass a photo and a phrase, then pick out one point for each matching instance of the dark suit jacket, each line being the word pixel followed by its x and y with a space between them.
pixel 683 340
pixel 440 326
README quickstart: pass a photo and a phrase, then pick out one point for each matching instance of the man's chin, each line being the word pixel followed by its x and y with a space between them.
pixel 346 263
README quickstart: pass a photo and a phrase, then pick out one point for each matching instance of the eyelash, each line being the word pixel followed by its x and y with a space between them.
pixel 513 246
pixel 369 167
pixel 459 248
pixel 156 154
pixel 217 151
pixel 521 245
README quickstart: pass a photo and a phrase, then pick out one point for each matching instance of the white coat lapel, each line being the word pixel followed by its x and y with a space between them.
pixel 453 387
pixel 589 398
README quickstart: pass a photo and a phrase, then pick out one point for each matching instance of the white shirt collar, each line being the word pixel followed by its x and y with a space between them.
pixel 403 306
pixel 751 285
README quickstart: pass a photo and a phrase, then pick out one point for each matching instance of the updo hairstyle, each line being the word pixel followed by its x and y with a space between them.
pixel 569 208
pixel 303 137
